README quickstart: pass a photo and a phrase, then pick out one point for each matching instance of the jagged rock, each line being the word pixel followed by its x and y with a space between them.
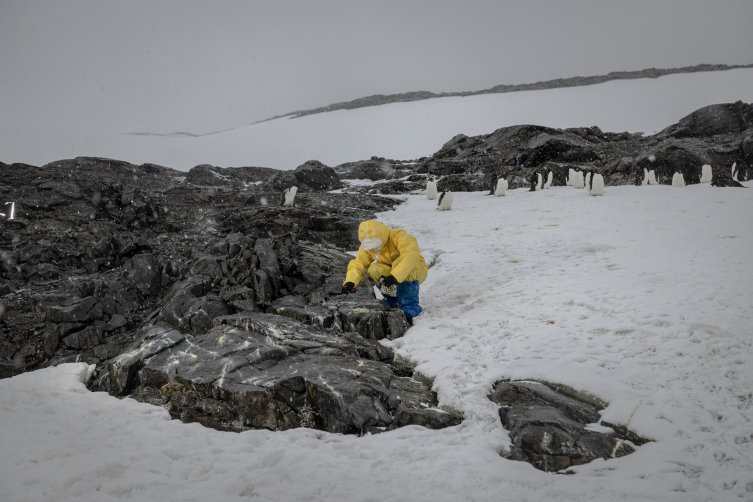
pixel 116 298
pixel 264 371
pixel 548 429
pixel 191 314
pixel 298 308
pixel 143 272
pixel 207 175
pixel 76 310
pixel 710 120
pixel 312 175
pixel 373 170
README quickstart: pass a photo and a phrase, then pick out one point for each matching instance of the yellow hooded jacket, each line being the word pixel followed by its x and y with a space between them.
pixel 399 255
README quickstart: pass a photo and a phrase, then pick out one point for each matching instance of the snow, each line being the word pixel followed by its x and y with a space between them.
pixel 398 130
pixel 641 297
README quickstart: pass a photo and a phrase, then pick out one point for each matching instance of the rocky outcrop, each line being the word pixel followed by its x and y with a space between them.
pixel 311 175
pixel 718 135
pixel 551 431
pixel 255 370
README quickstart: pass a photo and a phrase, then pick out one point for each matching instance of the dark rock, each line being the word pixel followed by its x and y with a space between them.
pixel 298 308
pixel 143 272
pixel 76 310
pixel 265 371
pixel 311 175
pixel 548 429
pixel 373 170
pixel 84 339
pixel 708 121
pixel 8 369
pixel 191 314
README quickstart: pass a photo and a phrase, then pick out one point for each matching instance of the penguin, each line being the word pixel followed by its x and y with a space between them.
pixel 596 186
pixel 652 178
pixel 570 173
pixel 578 179
pixel 431 190
pixel 678 180
pixel 501 187
pixel 8 210
pixel 587 179
pixel 645 177
pixel 727 182
pixel 445 201
pixel 734 172
pixel 533 182
pixel 549 177
pixel 493 184
pixel 539 181
pixel 706 174
pixel 288 196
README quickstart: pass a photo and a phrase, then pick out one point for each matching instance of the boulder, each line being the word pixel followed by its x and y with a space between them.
pixel 76 310
pixel 312 175
pixel 143 271
pixel 548 429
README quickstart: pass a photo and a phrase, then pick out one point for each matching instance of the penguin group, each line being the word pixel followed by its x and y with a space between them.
pixel 541 180
pixel 592 181
pixel 707 176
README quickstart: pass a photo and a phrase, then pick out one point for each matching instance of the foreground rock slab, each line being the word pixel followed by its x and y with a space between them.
pixel 549 430
pixel 255 370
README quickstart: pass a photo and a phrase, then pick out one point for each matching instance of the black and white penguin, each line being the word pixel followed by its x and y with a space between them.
pixel 644 182
pixel 570 175
pixel 578 179
pixel 706 173
pixel 501 188
pixel 493 184
pixel 727 182
pixel 288 196
pixel 536 180
pixel 431 190
pixel 596 184
pixel 445 201
pixel 735 171
pixel 652 178
pixel 8 210
pixel 549 178
pixel 587 179
pixel 678 180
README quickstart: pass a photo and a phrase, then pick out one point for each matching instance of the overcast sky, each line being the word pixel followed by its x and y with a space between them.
pixel 178 65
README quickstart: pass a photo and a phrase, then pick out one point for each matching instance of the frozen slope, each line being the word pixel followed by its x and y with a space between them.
pixel 399 130
pixel 641 297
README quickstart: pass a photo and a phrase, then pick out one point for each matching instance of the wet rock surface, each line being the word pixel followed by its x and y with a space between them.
pixel 549 430
pixel 256 370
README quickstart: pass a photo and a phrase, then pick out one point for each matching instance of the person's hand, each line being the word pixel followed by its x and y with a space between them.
pixel 348 287
pixel 388 280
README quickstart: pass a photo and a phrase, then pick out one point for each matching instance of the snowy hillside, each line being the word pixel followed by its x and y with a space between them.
pixel 399 130
pixel 641 297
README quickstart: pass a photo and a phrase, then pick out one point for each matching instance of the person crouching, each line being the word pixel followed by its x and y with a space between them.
pixel 393 261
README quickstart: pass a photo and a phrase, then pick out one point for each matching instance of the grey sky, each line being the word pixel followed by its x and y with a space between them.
pixel 204 66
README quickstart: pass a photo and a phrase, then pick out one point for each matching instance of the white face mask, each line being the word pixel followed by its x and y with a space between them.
pixel 373 245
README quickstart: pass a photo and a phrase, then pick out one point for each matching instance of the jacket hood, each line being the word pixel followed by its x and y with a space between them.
pixel 373 229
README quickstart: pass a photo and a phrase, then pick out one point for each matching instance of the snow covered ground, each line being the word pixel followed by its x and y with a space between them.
pixel 642 297
pixel 398 131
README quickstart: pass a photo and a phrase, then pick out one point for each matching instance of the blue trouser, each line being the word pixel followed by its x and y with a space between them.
pixel 407 299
